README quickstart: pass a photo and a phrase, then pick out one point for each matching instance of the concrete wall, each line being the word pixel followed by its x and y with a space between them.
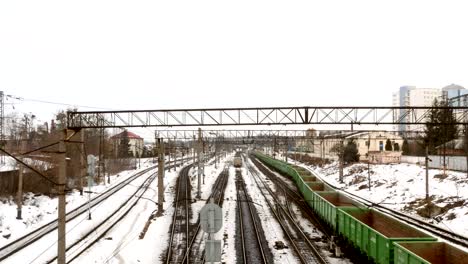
pixel 317 155
pixel 457 163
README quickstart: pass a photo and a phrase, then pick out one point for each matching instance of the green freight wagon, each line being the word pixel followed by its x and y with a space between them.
pixel 319 186
pixel 326 205
pixel 277 164
pixel 428 253
pixel 302 171
pixel 374 233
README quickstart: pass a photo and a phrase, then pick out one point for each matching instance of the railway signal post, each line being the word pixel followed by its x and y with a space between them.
pixel 91 172
pixel 211 221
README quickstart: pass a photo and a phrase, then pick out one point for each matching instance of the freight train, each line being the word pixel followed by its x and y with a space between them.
pixel 379 237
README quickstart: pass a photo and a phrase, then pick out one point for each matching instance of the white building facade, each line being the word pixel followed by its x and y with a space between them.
pixel 135 143
pixel 366 142
pixel 412 96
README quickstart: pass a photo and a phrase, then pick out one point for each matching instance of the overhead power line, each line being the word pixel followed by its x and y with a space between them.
pixel 55 103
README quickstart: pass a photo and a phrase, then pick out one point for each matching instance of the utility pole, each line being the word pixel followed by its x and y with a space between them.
pixel 199 164
pixel 341 160
pixel 274 148
pixel 193 149
pixel 466 136
pixel 2 123
pixel 160 175
pixel 216 152
pixel 368 162
pixel 19 195
pixel 82 162
pixel 62 179
pixel 427 173
pixel 466 149
pixel 203 159
pixel 175 154
pixel 169 156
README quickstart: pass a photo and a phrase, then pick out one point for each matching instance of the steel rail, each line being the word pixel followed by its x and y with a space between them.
pixel 252 216
pixel 318 257
pixel 135 197
pixel 292 194
pixel 281 223
pixel 182 186
pixel 26 240
pixel 30 238
pixel 218 190
pixel 241 224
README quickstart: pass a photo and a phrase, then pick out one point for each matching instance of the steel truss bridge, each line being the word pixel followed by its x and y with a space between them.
pixel 339 115
pixel 228 135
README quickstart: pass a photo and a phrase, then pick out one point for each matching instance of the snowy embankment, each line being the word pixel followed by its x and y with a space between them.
pixel 403 187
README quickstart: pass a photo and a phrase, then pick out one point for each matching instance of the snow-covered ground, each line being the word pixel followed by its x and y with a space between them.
pixel 125 245
pixel 273 231
pixel 402 187
pixel 8 164
pixel 122 243
pixel 40 209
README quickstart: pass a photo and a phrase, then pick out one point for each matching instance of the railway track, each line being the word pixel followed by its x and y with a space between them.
pixel 188 248
pixel 306 251
pixel 87 240
pixel 23 242
pixel 180 228
pixel 195 252
pixel 294 195
pixel 252 242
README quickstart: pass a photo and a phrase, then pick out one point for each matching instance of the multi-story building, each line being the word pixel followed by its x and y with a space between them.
pixel 456 95
pixel 412 96
pixel 135 143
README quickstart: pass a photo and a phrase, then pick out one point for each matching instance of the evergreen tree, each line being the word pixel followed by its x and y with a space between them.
pixel 440 127
pixel 124 145
pixel 388 145
pixel 351 152
pixel 405 147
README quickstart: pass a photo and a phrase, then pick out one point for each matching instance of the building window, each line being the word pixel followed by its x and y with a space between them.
pixel 381 145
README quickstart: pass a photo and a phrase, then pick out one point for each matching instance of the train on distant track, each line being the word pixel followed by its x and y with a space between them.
pixel 377 237
pixel 237 162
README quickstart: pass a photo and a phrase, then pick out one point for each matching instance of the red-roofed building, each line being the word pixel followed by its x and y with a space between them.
pixel 135 143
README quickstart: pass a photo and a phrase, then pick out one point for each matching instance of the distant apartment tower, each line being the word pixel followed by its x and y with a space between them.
pixel 412 96
pixel 456 95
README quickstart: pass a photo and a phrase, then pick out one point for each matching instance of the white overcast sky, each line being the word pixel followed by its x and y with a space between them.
pixel 181 54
